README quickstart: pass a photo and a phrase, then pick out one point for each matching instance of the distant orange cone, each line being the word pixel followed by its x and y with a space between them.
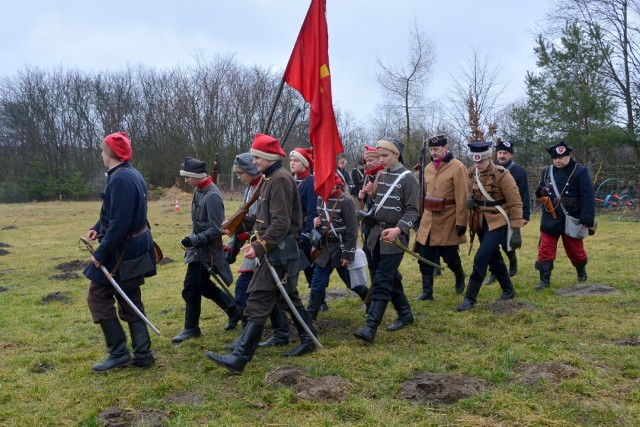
pixel 176 208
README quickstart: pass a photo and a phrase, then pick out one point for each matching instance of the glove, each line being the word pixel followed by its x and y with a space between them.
pixel 470 203
pixel 304 238
pixel 186 242
pixel 229 255
pixel 542 192
pixel 460 230
pixel 516 239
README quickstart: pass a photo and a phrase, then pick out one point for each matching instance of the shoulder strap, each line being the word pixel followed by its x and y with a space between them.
pixel 498 207
pixel 391 187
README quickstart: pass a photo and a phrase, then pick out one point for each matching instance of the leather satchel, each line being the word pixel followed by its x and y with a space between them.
pixel 434 204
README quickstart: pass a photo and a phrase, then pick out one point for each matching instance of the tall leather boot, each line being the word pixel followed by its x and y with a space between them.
pixel 141 343
pixel 229 306
pixel 374 317
pixel 427 288
pixel 470 297
pixel 119 355
pixel 315 300
pixel 513 263
pixel 280 326
pixel 545 268
pixel 581 270
pixel 244 351
pixel 405 316
pixel 306 342
pixel 508 291
pixel 191 322
pixel 490 279
pixel 460 278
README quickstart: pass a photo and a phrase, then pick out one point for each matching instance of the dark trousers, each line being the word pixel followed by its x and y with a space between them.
pixel 261 301
pixel 198 284
pixel 385 278
pixel 242 284
pixel 488 255
pixel 101 299
pixel 449 254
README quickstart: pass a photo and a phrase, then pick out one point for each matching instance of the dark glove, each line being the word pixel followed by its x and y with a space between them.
pixel 186 242
pixel 229 256
pixel 542 192
pixel 516 239
pixel 470 203
pixel 460 230
pixel 304 238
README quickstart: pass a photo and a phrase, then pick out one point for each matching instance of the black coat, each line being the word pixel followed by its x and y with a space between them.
pixel 520 176
pixel 577 196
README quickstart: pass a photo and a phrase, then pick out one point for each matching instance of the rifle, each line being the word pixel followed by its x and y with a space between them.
pixel 237 218
pixel 423 153
pixel 214 171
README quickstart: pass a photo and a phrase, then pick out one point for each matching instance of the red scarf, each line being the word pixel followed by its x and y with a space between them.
pixel 205 183
pixel 374 171
pixel 302 175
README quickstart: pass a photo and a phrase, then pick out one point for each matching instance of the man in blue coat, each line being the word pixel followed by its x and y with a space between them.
pixel 566 187
pixel 126 250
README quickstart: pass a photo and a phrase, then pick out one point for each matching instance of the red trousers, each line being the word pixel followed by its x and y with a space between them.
pixel 548 246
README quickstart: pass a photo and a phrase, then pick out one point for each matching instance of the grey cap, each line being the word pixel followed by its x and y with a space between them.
pixel 244 163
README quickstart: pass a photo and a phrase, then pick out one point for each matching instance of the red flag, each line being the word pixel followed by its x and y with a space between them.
pixel 308 73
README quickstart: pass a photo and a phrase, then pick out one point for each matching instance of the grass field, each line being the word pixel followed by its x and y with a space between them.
pixel 48 342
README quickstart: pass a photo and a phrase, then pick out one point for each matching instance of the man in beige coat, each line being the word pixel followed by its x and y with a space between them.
pixel 444 219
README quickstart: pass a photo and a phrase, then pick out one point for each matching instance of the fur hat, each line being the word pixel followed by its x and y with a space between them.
pixel 437 141
pixel 305 155
pixel 560 149
pixel 193 168
pixel 370 152
pixel 244 163
pixel 393 145
pixel 504 146
pixel 480 150
pixel 266 147
pixel 120 145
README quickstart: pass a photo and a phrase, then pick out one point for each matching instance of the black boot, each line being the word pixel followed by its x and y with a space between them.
pixel 235 315
pixel 191 322
pixel 315 300
pixel 513 263
pixel 470 297
pixel 306 342
pixel 119 355
pixel 141 343
pixel 466 305
pixel 243 353
pixel 280 326
pixel 581 269
pixel 229 306
pixel 427 288
pixel 405 316
pixel 459 275
pixel 545 268
pixel 374 317
pixel 490 279
pixel 508 291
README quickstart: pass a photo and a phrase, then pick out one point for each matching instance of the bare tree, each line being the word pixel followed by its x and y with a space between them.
pixel 404 83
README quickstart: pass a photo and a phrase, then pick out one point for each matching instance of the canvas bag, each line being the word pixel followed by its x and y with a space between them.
pixel 572 227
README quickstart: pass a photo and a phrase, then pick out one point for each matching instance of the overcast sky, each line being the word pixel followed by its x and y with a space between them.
pixel 94 36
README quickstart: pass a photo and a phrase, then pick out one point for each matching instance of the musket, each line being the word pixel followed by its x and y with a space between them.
pixel 88 247
pixel 233 223
pixel 548 205
pixel 399 245
pixel 423 153
pixel 214 171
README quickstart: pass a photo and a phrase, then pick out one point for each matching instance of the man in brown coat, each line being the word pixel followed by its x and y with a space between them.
pixel 277 225
pixel 444 219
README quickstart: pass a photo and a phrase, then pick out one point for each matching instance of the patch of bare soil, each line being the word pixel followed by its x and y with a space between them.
pixel 333 294
pixel 9 227
pixel 326 324
pixel 553 372
pixel 166 260
pixel 65 276
pixel 330 388
pixel 60 296
pixel 4 252
pixel 586 289
pixel 632 342
pixel 185 398
pixel 3 289
pixel 71 265
pixel 509 307
pixel 119 417
pixel 4 245
pixel 40 368
pixel 439 388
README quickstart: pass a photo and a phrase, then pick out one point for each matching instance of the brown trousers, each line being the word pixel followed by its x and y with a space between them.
pixel 102 307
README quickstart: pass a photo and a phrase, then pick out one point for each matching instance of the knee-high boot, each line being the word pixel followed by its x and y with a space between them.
pixel 191 322
pixel 581 269
pixel 508 291
pixel 403 308
pixel 244 351
pixel 280 326
pixel 459 277
pixel 470 297
pixel 116 346
pixel 427 288
pixel 315 300
pixel 545 268
pixel 374 317
pixel 306 342
pixel 513 263
pixel 229 306
pixel 141 343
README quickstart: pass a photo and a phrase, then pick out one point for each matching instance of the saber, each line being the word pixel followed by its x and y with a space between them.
pixel 88 247
pixel 283 291
pixel 413 254
pixel 211 272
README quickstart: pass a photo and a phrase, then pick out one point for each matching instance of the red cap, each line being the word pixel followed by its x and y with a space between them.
pixel 267 147
pixel 120 145
pixel 305 155
pixel 339 182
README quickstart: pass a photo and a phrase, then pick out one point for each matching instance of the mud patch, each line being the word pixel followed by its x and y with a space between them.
pixel 59 296
pixel 4 252
pixel 3 289
pixel 71 265
pixel 9 227
pixel 334 294
pixel 509 307
pixel 554 372
pixel 65 276
pixel 166 260
pixel 343 327
pixel 40 368
pixel 119 417
pixel 587 289
pixel 4 245
pixel 329 388
pixel 438 388
pixel 631 342
pixel 184 398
